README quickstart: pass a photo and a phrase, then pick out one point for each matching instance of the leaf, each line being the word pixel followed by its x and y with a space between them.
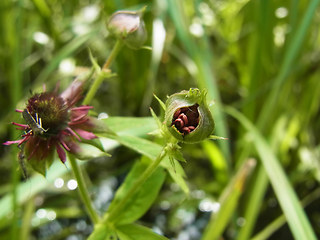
pixel 137 232
pixel 131 125
pixel 297 220
pixel 90 151
pixel 142 199
pixel 152 150
pixel 103 232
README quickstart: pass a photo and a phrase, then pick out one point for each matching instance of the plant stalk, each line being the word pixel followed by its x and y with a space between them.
pixel 84 194
pixel 100 76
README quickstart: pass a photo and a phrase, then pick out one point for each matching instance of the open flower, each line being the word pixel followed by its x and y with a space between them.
pixel 53 123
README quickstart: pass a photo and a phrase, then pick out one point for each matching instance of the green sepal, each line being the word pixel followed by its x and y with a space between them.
pixel 39 164
pixel 89 151
pixel 162 104
pixel 155 117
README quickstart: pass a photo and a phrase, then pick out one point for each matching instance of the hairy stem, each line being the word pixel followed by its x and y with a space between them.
pixel 83 190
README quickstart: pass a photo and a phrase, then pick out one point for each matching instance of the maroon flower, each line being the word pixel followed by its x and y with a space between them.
pixel 54 123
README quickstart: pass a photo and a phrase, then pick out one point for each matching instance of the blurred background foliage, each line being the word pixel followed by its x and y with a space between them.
pixel 257 59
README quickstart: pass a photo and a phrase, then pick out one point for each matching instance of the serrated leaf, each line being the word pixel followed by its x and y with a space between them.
pixel 142 199
pixel 137 232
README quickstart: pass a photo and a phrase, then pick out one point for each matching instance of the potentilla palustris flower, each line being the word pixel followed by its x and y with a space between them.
pixel 53 123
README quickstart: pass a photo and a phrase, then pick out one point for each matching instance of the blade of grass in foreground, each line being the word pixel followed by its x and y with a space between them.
pixel 229 201
pixel 292 209
pixel 267 232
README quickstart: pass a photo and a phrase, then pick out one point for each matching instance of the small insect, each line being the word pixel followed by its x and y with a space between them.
pixel 21 158
pixel 34 123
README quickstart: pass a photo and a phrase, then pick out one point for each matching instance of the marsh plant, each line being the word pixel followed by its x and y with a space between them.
pixel 54 124
pixel 131 169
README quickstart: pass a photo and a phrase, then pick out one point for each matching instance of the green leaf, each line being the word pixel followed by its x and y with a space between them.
pixel 142 199
pixel 88 152
pixel 152 150
pixel 131 125
pixel 137 232
pixel 103 232
pixel 289 202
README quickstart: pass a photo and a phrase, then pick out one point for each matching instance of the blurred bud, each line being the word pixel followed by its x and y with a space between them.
pixel 188 117
pixel 128 26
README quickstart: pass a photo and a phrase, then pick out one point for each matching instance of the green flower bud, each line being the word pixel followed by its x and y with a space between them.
pixel 128 26
pixel 188 117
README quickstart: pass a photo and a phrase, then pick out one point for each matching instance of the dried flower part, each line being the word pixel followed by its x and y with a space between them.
pixel 128 26
pixel 188 117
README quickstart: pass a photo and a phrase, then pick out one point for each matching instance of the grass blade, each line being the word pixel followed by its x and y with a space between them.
pixel 290 205
pixel 229 201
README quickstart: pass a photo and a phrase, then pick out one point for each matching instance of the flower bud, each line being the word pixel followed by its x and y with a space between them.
pixel 188 117
pixel 128 26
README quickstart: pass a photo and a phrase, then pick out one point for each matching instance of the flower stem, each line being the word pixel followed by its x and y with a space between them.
pixel 83 190
pixel 147 173
pixel 113 54
pixel 101 76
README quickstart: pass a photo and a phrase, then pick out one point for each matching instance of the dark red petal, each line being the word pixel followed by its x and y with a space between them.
pixel 20 125
pixel 73 133
pixel 13 142
pixel 61 153
pixel 85 134
pixel 82 108
pixel 64 145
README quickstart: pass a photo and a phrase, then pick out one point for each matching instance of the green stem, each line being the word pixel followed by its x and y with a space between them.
pixel 26 220
pixel 101 76
pixel 147 173
pixel 83 190
pixel 113 54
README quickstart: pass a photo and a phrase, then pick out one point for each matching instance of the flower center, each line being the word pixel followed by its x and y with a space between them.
pixel 46 114
pixel 186 119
